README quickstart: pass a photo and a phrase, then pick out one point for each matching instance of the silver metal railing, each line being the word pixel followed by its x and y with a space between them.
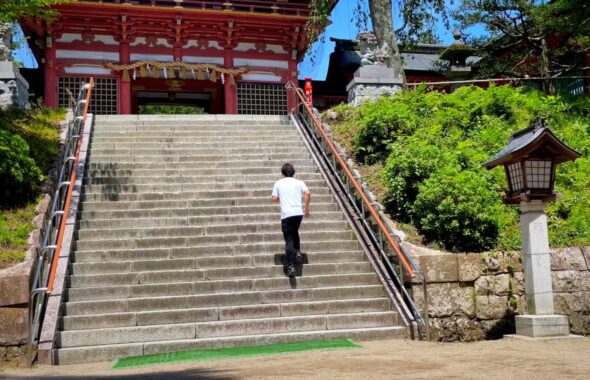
pixel 367 211
pixel 53 222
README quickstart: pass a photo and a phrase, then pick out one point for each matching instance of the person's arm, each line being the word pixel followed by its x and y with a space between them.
pixel 275 194
pixel 307 200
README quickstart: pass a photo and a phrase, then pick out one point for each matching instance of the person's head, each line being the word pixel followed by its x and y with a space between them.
pixel 288 170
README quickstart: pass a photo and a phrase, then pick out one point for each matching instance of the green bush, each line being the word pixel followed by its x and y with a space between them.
pixel 458 209
pixel 19 175
pixel 432 146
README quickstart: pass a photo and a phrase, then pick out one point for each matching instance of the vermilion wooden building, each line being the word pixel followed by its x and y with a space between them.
pixel 228 57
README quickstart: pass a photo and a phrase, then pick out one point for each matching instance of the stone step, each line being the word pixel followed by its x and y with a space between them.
pixel 261 144
pixel 197 137
pixel 230 164
pixel 201 119
pixel 218 286
pixel 204 151
pixel 201 262
pixel 146 318
pixel 200 211
pixel 172 129
pixel 192 203
pixel 186 178
pixel 313 185
pixel 108 352
pixel 277 158
pixel 199 221
pixel 200 330
pixel 224 299
pixel 151 275
pixel 204 241
pixel 226 171
pixel 242 249
pixel 257 259
pixel 145 232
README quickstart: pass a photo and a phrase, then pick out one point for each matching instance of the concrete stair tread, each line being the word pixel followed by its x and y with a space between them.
pixel 234 298
pixel 115 335
pixel 108 352
pixel 166 253
pixel 211 314
pixel 125 291
pixel 153 275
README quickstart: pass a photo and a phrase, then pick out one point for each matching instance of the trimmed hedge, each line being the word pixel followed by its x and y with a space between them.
pixel 432 146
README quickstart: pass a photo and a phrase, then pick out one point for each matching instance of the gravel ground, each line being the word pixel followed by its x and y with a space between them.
pixel 393 359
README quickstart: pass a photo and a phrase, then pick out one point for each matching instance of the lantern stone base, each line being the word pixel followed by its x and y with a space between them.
pixel 371 82
pixel 542 326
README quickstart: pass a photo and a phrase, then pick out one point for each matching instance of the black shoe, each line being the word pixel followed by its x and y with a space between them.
pixel 298 258
pixel 291 271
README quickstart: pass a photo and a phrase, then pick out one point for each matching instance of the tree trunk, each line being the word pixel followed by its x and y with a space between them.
pixel 548 85
pixel 383 27
pixel 5 41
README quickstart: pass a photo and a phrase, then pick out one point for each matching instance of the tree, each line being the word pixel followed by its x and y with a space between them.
pixel 11 10
pixel 418 17
pixel 528 36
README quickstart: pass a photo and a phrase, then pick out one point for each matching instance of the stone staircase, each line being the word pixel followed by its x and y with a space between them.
pixel 179 246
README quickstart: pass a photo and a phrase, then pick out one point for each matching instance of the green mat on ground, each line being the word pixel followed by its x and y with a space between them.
pixel 232 352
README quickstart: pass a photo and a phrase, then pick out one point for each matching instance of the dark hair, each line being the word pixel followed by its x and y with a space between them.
pixel 288 170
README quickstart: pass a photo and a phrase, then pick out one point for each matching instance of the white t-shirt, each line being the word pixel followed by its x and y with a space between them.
pixel 289 190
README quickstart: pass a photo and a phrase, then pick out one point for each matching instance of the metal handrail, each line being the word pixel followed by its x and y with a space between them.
pixel 385 236
pixel 54 225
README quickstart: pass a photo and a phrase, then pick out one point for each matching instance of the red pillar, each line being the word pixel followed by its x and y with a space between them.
pixel 231 101
pixel 50 74
pixel 124 85
pixel 291 96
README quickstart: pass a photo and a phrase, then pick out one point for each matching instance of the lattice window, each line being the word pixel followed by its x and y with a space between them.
pixel 104 99
pixel 262 99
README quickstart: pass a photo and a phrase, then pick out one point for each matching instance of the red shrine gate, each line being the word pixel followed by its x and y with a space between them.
pixel 228 57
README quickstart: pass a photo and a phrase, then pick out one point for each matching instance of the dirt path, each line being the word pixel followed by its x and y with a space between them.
pixel 393 359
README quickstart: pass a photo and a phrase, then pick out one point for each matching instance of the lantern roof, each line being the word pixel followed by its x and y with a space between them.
pixel 537 138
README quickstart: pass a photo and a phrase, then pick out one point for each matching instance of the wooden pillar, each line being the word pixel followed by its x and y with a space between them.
pixel 50 70
pixel 291 96
pixel 231 101
pixel 124 81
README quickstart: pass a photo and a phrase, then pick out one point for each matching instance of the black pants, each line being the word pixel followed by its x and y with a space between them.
pixel 290 227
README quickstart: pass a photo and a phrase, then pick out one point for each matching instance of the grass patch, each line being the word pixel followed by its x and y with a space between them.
pixel 15 226
pixel 232 352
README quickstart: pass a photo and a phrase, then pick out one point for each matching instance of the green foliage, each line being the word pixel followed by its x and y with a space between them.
pixel 458 210
pixel 435 144
pixel 15 226
pixel 170 109
pixel 29 142
pixel 12 10
pixel 19 176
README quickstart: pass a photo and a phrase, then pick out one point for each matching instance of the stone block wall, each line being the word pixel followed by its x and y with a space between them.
pixel 476 296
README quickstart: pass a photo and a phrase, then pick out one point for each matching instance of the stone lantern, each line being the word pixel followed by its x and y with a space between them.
pixel 530 161
pixel 457 54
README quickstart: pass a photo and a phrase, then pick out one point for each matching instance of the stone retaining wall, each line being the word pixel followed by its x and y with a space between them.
pixel 476 296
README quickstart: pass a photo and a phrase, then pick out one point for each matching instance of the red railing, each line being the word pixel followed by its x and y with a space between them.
pixel 252 6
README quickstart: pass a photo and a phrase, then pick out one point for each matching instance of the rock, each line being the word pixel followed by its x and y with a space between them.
pixel 586 252
pixel 439 268
pixel 469 266
pixel 567 281
pixel 2 354
pixel 471 330
pixel 14 284
pixel 494 284
pixel 496 329
pixel 455 329
pixel 14 325
pixel 331 115
pixel 447 299
pixel 518 283
pixel 580 322
pixel 493 264
pixel 570 258
pixel 491 307
pixel 43 205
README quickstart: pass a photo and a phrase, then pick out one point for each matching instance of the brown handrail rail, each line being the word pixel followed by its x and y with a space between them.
pixel 403 259
pixel 72 179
